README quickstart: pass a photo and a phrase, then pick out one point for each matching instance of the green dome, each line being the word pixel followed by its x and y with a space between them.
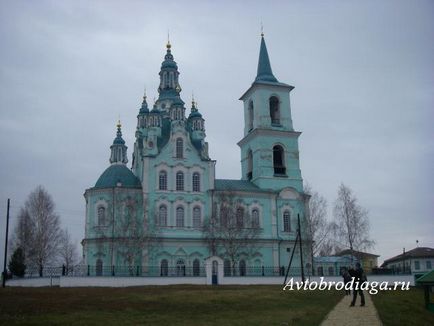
pixel 117 173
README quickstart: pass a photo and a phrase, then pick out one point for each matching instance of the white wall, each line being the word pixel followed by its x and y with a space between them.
pixel 34 282
pixel 111 281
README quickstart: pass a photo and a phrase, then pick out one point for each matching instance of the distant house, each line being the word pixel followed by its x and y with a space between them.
pixel 367 260
pixel 332 265
pixel 416 261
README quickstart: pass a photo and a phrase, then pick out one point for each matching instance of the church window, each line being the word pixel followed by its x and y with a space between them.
pixel 250 115
pixel 180 181
pixel 101 215
pixel 162 215
pixel 162 180
pixel 286 222
pixel 164 268
pixel 179 148
pixel 240 217
pixel 196 217
pixel 227 267
pixel 224 212
pixel 274 110
pixel 249 165
pixel 278 160
pixel 242 267
pixel 196 182
pixel 180 217
pixel 255 218
pixel 180 268
pixel 196 267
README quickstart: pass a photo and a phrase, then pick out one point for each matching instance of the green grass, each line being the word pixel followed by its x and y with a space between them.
pixel 165 305
pixel 403 308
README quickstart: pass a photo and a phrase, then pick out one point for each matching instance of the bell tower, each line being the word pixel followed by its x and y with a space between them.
pixel 269 149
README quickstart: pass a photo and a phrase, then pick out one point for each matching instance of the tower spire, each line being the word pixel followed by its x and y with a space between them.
pixel 264 67
pixel 169 88
pixel 118 149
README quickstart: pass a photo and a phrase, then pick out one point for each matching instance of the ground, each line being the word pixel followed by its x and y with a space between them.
pixel 165 305
pixel 403 308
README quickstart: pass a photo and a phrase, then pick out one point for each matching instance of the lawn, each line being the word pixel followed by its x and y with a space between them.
pixel 403 308
pixel 165 305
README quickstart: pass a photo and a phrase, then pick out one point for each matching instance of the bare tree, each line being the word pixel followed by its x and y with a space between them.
pixel 38 230
pixel 231 231
pixel 134 233
pixel 23 233
pixel 67 250
pixel 352 222
pixel 318 228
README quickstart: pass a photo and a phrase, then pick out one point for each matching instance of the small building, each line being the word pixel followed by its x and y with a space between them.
pixel 427 281
pixel 333 265
pixel 367 260
pixel 416 261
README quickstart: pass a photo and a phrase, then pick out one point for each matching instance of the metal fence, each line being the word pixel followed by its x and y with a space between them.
pixel 157 271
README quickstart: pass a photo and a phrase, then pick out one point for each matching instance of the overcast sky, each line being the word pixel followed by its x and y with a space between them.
pixel 363 73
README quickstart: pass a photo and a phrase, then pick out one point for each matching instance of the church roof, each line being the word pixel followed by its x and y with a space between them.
pixel 115 174
pixel 264 67
pixel 236 185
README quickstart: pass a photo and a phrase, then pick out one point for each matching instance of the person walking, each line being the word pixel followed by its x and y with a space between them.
pixel 347 279
pixel 359 277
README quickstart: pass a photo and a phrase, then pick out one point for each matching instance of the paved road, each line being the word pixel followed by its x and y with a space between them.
pixel 342 314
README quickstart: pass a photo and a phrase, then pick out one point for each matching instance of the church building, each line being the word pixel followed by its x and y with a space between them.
pixel 165 213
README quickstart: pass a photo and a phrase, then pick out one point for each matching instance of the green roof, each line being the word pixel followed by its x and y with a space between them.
pixel 237 185
pixel 427 278
pixel 117 173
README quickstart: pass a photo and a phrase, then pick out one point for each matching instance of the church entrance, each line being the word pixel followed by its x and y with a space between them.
pixel 215 265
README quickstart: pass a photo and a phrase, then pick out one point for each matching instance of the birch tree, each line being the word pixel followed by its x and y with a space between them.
pixel 352 222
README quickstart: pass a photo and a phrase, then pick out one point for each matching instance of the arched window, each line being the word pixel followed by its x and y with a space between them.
pixel 162 215
pixel 180 268
pixel 227 267
pixel 331 271
pixel 164 268
pixel 162 180
pixel 255 218
pixel 101 215
pixel 180 217
pixel 224 212
pixel 274 110
pixel 240 217
pixel 242 267
pixel 197 217
pixel 180 181
pixel 196 182
pixel 250 117
pixel 179 148
pixel 249 165
pixel 196 267
pixel 278 160
pixel 98 268
pixel 320 271
pixel 286 222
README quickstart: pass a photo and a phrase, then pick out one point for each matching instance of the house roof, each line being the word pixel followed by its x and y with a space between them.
pixel 420 252
pixel 358 254
pixel 237 185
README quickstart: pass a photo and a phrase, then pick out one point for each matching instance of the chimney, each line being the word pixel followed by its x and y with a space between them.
pixel 403 251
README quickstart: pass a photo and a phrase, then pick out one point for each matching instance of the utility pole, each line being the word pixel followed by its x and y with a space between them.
pixel 301 249
pixel 6 244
